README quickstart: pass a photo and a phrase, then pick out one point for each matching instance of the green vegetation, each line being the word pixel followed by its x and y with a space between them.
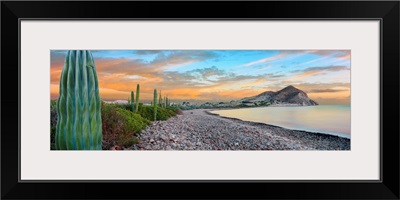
pixel 121 124
pixel 162 113
pixel 79 106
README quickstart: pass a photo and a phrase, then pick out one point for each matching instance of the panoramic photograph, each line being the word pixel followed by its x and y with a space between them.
pixel 207 100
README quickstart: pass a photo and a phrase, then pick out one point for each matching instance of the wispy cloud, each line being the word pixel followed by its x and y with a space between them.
pixel 264 60
pixel 313 71
pixel 291 54
pixel 327 90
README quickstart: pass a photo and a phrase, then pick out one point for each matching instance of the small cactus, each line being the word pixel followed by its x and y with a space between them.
pixel 160 99
pixel 132 99
pixel 155 105
pixel 137 97
pixel 167 100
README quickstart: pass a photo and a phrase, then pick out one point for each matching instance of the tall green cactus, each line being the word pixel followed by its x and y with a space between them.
pixel 160 99
pixel 165 102
pixel 79 105
pixel 132 99
pixel 155 105
pixel 137 97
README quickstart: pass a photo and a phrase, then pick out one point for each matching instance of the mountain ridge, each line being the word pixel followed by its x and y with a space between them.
pixel 288 95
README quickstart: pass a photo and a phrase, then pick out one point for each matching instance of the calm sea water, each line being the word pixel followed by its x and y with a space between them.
pixel 329 119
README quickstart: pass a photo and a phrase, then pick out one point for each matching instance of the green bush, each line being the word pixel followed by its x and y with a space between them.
pixel 162 113
pixel 176 110
pixel 125 106
pixel 120 126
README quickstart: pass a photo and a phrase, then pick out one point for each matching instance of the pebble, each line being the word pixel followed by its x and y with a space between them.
pixel 198 130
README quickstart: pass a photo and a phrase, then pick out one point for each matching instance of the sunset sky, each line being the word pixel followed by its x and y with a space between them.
pixel 216 75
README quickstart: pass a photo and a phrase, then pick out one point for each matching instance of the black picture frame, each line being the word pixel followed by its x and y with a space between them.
pixel 385 11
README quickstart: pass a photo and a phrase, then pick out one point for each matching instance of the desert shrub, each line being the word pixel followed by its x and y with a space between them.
pixel 126 106
pixel 176 110
pixel 171 112
pixel 120 126
pixel 162 113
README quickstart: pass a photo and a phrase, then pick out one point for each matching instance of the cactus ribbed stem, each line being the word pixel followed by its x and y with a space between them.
pixel 160 99
pixel 132 99
pixel 155 105
pixel 79 106
pixel 167 101
pixel 137 97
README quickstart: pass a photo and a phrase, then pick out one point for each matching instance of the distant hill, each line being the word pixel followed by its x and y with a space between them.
pixel 288 95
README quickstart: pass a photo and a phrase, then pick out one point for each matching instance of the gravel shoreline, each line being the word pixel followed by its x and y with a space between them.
pixel 201 130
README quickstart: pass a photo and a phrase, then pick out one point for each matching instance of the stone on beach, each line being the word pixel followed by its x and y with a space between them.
pixel 198 130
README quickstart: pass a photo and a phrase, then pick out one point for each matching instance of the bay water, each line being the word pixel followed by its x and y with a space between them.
pixel 327 119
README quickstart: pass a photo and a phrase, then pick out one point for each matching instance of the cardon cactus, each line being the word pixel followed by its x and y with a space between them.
pixel 79 106
pixel 132 99
pixel 160 99
pixel 137 97
pixel 155 105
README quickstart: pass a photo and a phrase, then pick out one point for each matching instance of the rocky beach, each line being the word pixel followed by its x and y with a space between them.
pixel 201 130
